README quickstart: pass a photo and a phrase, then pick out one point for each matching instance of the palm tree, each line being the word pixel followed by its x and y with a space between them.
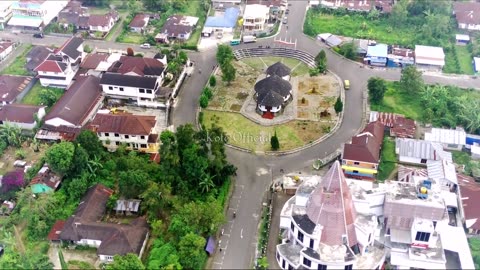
pixel 206 183
pixel 93 165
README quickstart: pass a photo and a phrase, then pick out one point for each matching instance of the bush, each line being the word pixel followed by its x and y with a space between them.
pixel 200 117
pixel 203 101
pixel 207 92
pixel 338 105
pixel 87 49
pixel 20 154
pixel 274 143
pixel 212 81
pixel 313 72
pixel 189 47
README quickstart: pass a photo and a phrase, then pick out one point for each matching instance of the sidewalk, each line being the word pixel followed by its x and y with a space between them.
pixel 278 200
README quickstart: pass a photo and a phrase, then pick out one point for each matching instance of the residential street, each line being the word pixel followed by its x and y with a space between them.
pixel 254 171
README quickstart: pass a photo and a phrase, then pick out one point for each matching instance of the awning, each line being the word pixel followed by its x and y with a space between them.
pixel 359 169
pixel 28 21
pixel 210 247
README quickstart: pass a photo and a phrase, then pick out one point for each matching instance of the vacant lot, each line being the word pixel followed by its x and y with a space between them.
pixel 397 101
pixel 31 157
pixel 388 159
pixel 18 65
pixel 33 96
pixel 247 134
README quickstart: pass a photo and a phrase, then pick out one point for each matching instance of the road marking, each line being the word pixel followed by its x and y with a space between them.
pixel 241 233
pixel 234 209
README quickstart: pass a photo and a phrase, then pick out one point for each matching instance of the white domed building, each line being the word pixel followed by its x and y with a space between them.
pixel 322 229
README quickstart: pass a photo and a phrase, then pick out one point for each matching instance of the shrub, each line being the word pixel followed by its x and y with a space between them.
pixel 338 105
pixel 313 72
pixel 274 143
pixel 208 92
pixel 203 101
pixel 200 117
pixel 212 81
pixel 87 49
pixel 20 154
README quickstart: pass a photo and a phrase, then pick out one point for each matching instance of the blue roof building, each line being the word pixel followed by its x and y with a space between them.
pixel 377 55
pixel 228 20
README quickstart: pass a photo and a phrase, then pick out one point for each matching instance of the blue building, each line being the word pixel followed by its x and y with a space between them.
pixel 225 23
pixel 377 55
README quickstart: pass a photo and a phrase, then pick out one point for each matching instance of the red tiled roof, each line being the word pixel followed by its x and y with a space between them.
pixel 11 86
pixel 19 113
pixel 49 66
pixel 92 60
pixel 99 20
pixel 54 233
pixel 123 124
pixel 467 12
pixel 398 124
pixel 331 206
pixel 140 20
pixel 138 65
pixel 365 147
pixel 470 191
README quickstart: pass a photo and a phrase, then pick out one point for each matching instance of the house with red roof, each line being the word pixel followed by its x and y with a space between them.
pixel 139 23
pixel 361 157
pixel 102 23
pixel 59 68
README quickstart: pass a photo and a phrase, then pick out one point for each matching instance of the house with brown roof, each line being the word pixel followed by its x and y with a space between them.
pixel 11 86
pixel 384 6
pixel 36 56
pixel 76 107
pixel 85 227
pixel 71 14
pixel 21 115
pixel 45 181
pixel 361 157
pixel 177 27
pixel 5 49
pixel 470 199
pixel 467 15
pixel 397 124
pixel 59 68
pixel 102 23
pixel 139 23
pixel 137 132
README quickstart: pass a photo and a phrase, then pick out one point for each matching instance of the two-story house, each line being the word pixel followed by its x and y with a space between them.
pixel 467 15
pixel 137 132
pixel 102 23
pixel 59 68
pixel 255 17
pixel 34 14
pixel 5 12
pixel 361 157
pixel 23 116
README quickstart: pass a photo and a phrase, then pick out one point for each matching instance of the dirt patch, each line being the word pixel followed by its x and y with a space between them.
pixel 302 102
pixel 302 115
pixel 31 157
pixel 242 96
pixel 235 107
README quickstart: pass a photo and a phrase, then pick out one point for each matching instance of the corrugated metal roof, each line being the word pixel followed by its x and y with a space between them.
pixel 442 169
pixel 449 136
pixel 421 149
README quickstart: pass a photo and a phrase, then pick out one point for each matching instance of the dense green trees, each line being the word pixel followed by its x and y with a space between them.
pixel 60 156
pixel 190 251
pixel 376 89
pixel 228 72
pixel 129 261
pixel 224 59
pixel 411 80
pixel 321 61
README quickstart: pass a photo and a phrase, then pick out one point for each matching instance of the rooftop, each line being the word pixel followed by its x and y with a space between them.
pixel 467 12
pixel 447 136
pixel 278 69
pixel 123 124
pixel 377 50
pixel 227 20
pixel 421 149
pixel 255 11
pixel 11 86
pixel 19 113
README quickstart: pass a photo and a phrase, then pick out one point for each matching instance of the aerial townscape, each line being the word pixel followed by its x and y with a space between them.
pixel 239 134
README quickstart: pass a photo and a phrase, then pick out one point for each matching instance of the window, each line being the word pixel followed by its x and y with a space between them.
pixel 141 90
pixel 434 224
pixel 355 171
pixel 110 88
pixel 356 163
pixel 422 236
pixel 292 226
pixel 110 258
pixel 126 136
pixel 117 135
pixel 307 262
pixel 423 161
pixel 278 256
pixel 369 237
pixel 107 134
pixel 142 137
pixel 311 244
pixel 300 236
pixel 322 267
pixel 143 145
pixel 149 91
pixel 283 264
pixel 348 267
pixel 117 143
pixel 290 267
pixel 121 89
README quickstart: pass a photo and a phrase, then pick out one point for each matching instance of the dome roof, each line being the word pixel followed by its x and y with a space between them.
pixel 331 206
pixel 274 83
pixel 270 99
pixel 278 69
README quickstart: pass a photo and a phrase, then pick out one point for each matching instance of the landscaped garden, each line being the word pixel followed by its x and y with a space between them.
pixel 18 65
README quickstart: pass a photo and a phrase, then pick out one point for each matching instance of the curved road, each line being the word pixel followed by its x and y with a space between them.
pixel 255 173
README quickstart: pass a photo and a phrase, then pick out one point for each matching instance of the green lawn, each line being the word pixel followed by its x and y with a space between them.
pixel 351 26
pixel 114 29
pixel 475 249
pixel 247 134
pixel 130 37
pixel 254 62
pixel 388 159
pixel 18 65
pixel 396 101
pixel 465 60
pixel 33 96
pixel 298 68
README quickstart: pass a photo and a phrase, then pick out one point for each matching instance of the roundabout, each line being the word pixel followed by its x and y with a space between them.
pixel 274 95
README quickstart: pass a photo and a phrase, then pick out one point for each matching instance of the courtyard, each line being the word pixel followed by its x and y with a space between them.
pixel 307 117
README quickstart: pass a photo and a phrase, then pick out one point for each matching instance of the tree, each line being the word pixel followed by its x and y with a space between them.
pixel 373 14
pixel 11 135
pixel 338 105
pixel 349 50
pixel 190 251
pixel 163 256
pixel 129 261
pixel 411 80
pixel 376 89
pixel 321 61
pixel 206 183
pixel 212 81
pixel 274 143
pixel 470 114
pixel 203 101
pixel 399 12
pixel 228 73
pixel 130 52
pixel 182 57
pixel 132 182
pixel 60 156
pixel 224 54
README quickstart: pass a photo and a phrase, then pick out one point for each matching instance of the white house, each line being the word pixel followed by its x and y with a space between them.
pixel 31 14
pixel 102 23
pixel 451 139
pixel 21 115
pixel 326 231
pixel 59 68
pixel 255 17
pixel 467 15
pixel 5 49
pixel 136 131
pixel 5 12
pixel 428 57
pixel 419 152
pixel 139 23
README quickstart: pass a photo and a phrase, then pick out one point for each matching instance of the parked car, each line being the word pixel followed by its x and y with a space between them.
pixel 38 35
pixel 287 11
pixel 285 20
pixel 145 46
pixel 346 84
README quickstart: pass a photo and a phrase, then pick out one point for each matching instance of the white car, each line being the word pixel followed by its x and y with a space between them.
pixel 145 46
